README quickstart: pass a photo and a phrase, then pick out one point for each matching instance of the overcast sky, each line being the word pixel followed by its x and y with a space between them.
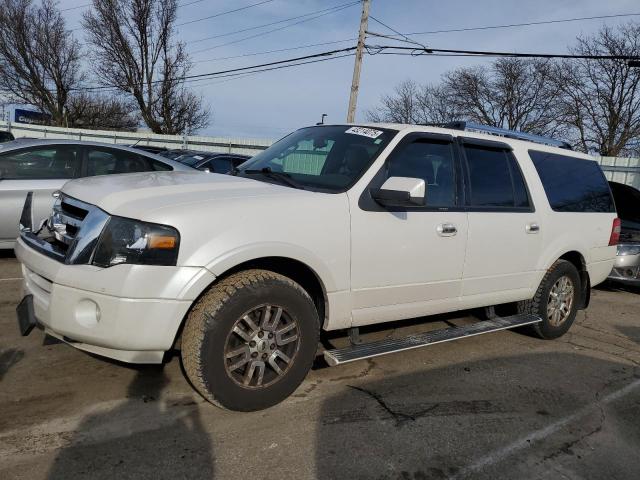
pixel 268 105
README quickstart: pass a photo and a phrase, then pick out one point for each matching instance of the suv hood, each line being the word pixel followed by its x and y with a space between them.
pixel 136 194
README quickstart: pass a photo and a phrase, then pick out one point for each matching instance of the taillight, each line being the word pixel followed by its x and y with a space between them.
pixel 615 232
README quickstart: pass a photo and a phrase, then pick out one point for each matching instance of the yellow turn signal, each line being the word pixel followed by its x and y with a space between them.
pixel 165 242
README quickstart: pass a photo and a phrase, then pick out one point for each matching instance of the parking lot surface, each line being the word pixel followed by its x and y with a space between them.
pixel 504 405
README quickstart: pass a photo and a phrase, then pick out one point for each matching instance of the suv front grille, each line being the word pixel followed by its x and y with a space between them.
pixel 66 220
pixel 71 233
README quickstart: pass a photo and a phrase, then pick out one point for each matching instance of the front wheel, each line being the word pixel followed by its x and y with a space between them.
pixel 250 340
pixel 556 300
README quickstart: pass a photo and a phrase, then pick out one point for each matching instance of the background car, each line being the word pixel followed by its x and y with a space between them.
pixel 212 162
pixel 6 137
pixel 149 148
pixel 627 266
pixel 44 166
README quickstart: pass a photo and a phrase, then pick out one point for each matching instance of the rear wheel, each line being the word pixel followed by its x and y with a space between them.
pixel 250 340
pixel 556 300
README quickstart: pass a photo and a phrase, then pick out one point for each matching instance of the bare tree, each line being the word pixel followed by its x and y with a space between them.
pixel 413 103
pixel 39 59
pixel 135 53
pixel 601 98
pixel 102 112
pixel 511 93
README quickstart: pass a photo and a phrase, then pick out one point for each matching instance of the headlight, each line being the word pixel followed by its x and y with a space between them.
pixel 131 241
pixel 624 249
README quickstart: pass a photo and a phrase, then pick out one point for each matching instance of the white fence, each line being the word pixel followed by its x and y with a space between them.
pixel 622 170
pixel 209 144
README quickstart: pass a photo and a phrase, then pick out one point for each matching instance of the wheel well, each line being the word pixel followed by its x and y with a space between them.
pixel 296 271
pixel 578 261
pixel 293 269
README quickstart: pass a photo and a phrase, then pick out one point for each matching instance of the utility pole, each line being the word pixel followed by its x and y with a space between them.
pixel 355 82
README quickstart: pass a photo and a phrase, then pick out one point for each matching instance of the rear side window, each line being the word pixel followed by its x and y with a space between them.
pixel 107 161
pixel 573 184
pixel 495 180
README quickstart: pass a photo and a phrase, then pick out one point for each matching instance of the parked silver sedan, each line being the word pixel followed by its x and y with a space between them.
pixel 44 166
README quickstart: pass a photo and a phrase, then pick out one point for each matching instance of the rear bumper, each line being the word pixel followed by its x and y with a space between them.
pixel 626 269
pixel 130 314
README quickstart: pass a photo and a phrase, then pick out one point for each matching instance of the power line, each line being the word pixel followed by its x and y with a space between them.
pixel 253 54
pixel 222 13
pixel 407 39
pixel 330 53
pixel 379 49
pixel 242 75
pixel 391 37
pixel 524 24
pixel 269 24
pixel 76 7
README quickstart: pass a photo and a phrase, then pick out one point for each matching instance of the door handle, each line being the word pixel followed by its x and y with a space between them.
pixel 532 227
pixel 447 229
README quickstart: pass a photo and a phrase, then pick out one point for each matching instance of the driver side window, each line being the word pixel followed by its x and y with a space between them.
pixel 431 161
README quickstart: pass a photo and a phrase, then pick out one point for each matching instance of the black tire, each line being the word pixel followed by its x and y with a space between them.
pixel 208 331
pixel 538 304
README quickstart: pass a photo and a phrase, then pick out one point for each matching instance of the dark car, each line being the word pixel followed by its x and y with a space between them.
pixel 627 266
pixel 6 137
pixel 211 161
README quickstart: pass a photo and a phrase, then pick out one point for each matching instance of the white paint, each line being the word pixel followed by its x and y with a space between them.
pixel 526 441
pixel 10 279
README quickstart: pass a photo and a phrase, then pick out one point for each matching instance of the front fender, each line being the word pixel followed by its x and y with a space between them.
pixel 254 251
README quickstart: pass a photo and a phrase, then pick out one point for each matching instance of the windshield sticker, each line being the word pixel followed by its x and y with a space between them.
pixel 365 132
pixel 198 157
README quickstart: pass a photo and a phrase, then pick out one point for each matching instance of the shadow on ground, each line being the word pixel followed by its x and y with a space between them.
pixel 7 253
pixel 612 286
pixel 632 333
pixel 141 437
pixel 8 358
pixel 453 422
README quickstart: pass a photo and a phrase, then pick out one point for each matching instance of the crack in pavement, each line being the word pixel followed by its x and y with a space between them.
pixel 399 417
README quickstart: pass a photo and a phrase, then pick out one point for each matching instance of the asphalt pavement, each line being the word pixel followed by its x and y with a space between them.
pixel 502 405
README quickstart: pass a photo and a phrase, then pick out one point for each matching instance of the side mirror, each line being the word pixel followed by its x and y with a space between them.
pixel 400 192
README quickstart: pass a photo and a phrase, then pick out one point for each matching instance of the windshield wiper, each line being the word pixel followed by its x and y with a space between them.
pixel 281 176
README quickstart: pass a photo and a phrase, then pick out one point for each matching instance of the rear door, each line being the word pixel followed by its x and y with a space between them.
pixel 504 239
pixel 41 170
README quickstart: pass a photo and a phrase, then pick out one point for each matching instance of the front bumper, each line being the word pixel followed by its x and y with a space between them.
pixel 128 312
pixel 626 269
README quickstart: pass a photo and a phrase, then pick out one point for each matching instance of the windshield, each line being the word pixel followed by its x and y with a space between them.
pixel 330 158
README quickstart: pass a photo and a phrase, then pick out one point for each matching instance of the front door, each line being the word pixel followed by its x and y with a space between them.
pixel 407 262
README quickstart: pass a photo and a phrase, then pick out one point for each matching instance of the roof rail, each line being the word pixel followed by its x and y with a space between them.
pixel 503 132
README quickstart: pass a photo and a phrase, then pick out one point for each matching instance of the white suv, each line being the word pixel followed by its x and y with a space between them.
pixel 333 227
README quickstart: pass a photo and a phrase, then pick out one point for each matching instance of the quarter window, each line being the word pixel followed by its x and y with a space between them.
pixel 58 161
pixel 573 184
pixel 495 180
pixel 431 161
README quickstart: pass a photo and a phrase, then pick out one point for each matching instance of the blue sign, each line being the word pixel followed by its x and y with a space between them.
pixel 29 116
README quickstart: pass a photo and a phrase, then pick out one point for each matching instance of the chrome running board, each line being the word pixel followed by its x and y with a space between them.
pixel 383 347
